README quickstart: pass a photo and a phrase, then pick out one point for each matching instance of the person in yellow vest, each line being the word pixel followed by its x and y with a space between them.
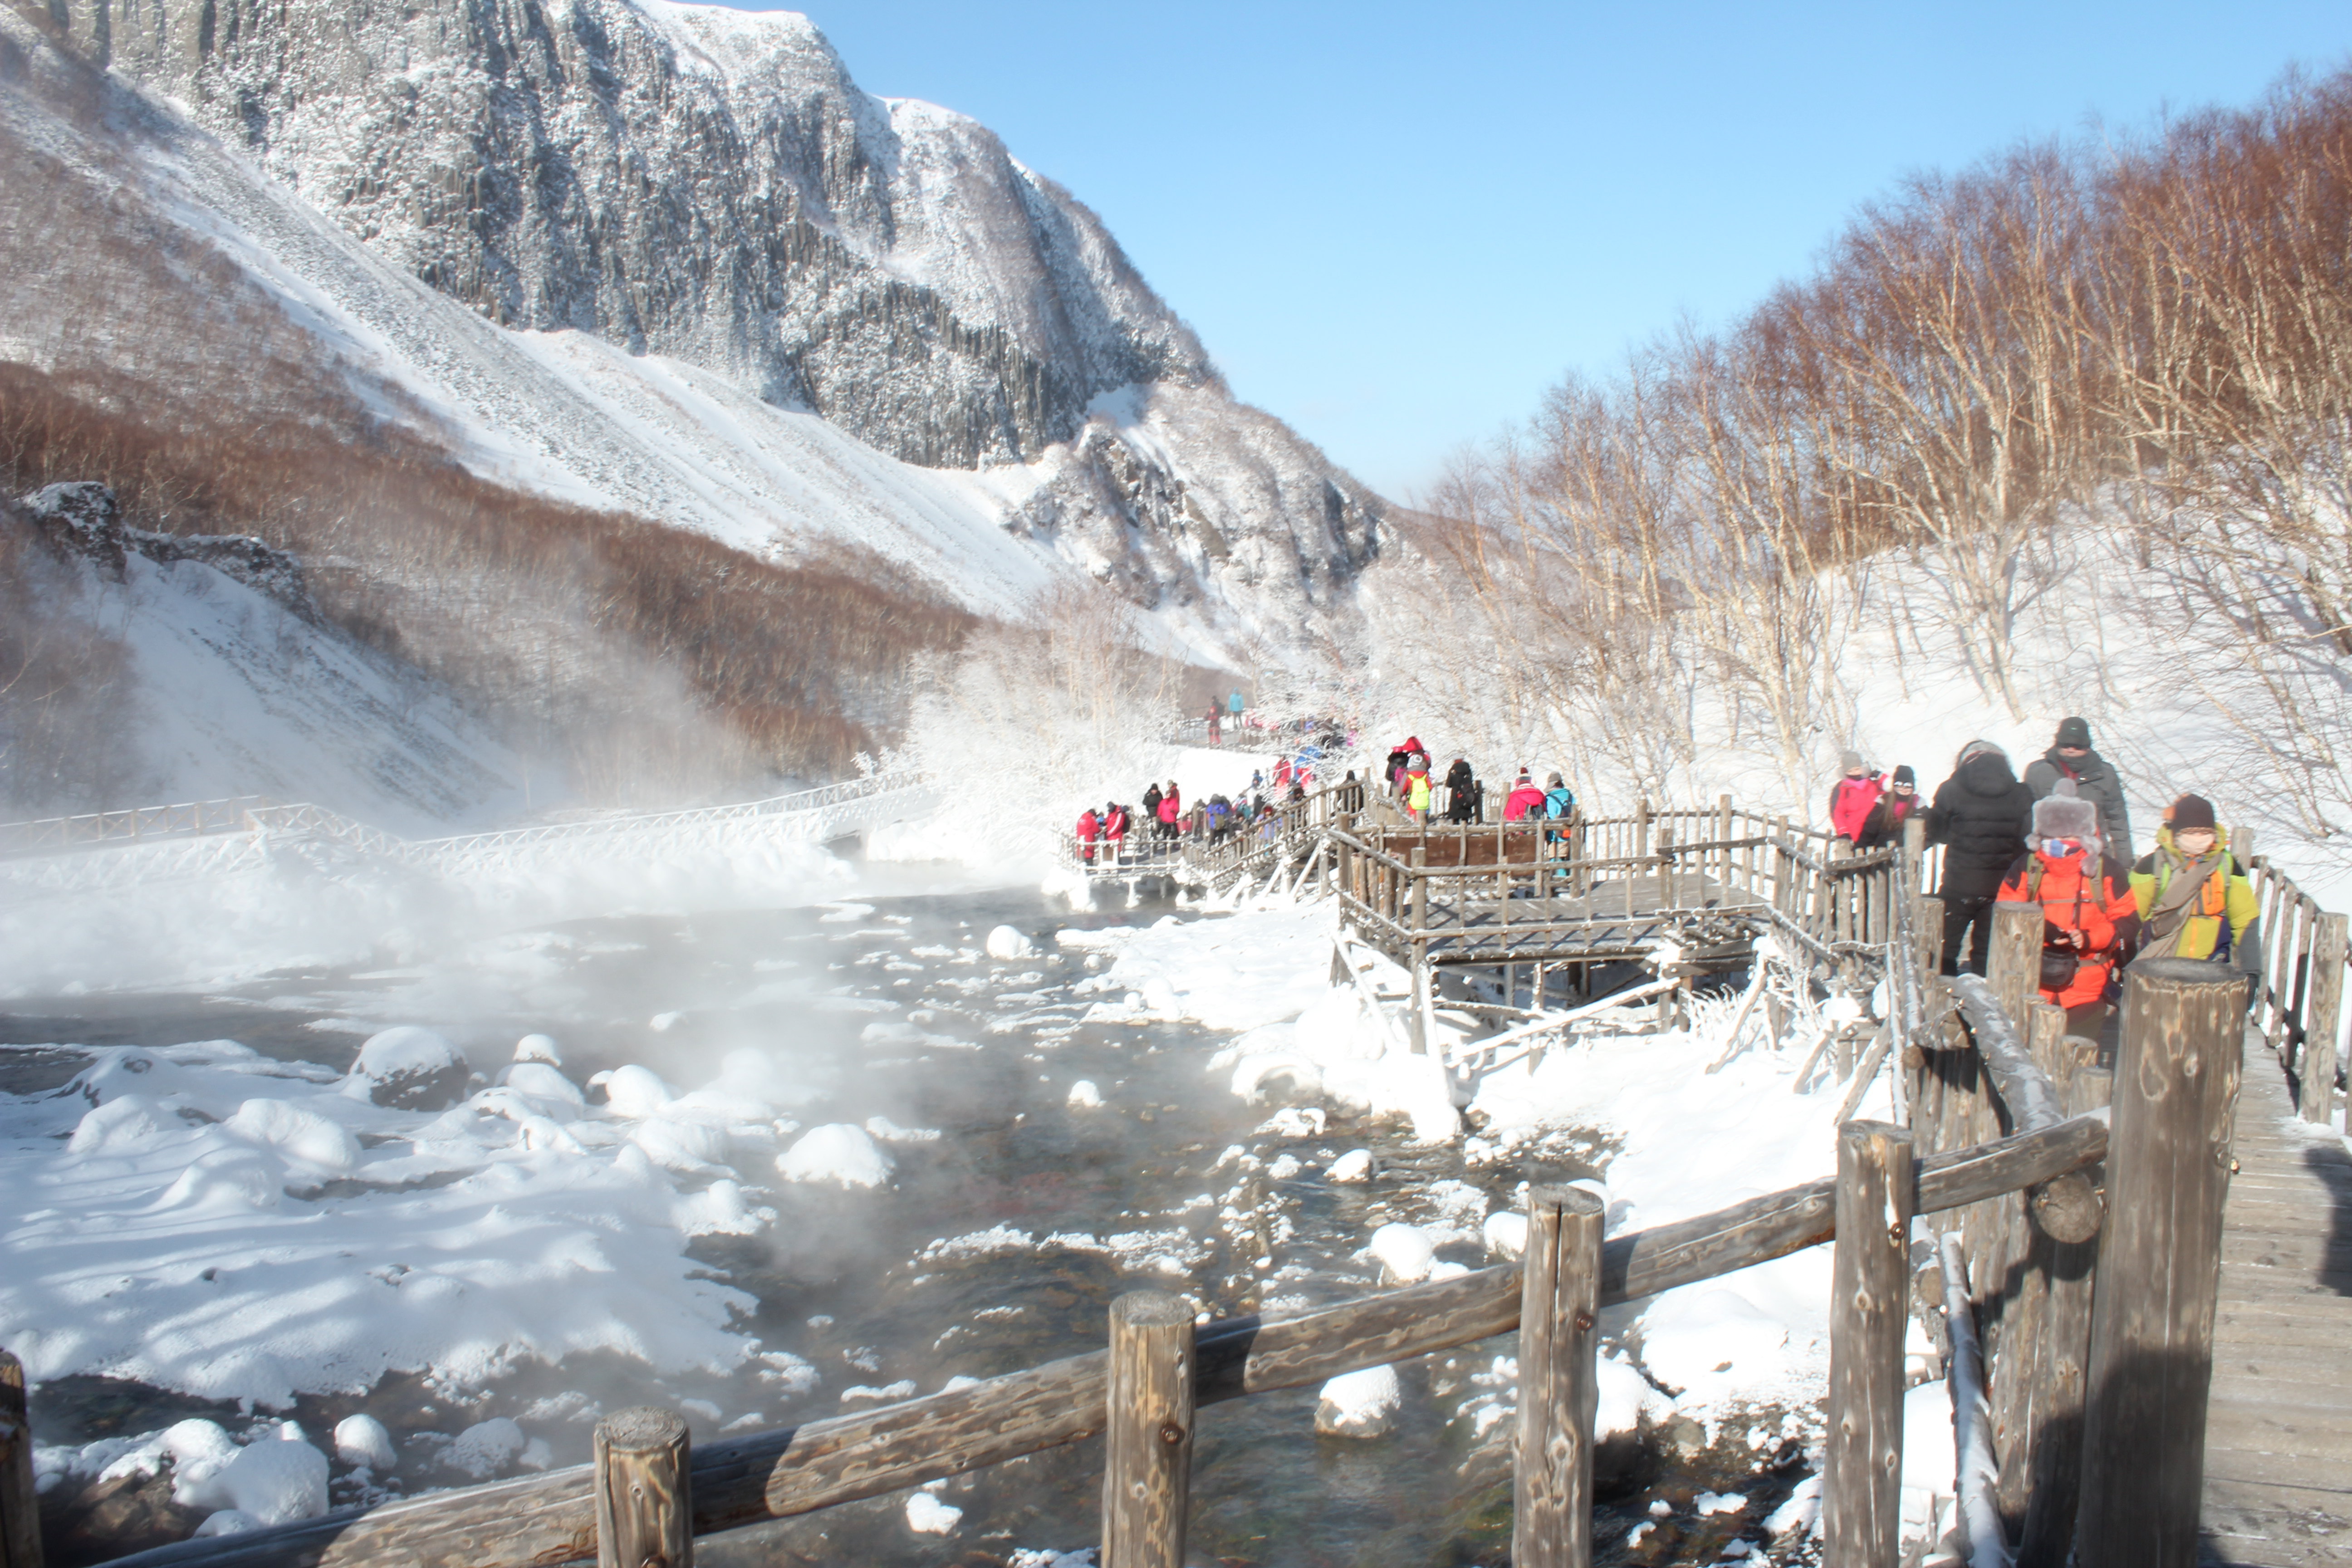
pixel 2194 898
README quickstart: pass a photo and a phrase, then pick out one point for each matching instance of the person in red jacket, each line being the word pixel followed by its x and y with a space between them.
pixel 1525 798
pixel 1852 797
pixel 1089 829
pixel 1172 811
pixel 2090 917
pixel 1114 830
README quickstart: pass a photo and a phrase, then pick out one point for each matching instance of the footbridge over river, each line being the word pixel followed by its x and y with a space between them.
pixel 2234 1207
pixel 114 849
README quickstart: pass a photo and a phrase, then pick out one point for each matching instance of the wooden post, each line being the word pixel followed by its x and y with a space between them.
pixel 1417 1027
pixel 1725 855
pixel 2022 1389
pixel 1148 1432
pixel 20 1508
pixel 645 1515
pixel 1559 1304
pixel 2014 966
pixel 1915 848
pixel 1666 867
pixel 2055 1467
pixel 1862 1502
pixel 2176 1092
pixel 2322 1016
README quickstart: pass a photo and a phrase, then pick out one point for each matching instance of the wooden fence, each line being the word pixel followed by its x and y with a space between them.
pixel 2086 1259
pixel 1142 1393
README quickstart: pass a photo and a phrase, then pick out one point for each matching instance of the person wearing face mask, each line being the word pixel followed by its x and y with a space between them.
pixel 2194 899
pixel 2090 920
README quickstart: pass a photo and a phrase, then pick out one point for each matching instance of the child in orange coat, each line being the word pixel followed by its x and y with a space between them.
pixel 2090 917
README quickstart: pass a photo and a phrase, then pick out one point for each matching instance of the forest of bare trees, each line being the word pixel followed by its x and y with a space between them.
pixel 2149 336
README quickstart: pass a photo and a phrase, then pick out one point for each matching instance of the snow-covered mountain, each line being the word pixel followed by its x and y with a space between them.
pixel 670 259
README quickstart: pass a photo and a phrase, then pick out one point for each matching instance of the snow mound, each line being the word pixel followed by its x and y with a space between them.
pixel 1359 1403
pixel 927 1515
pixel 1405 1253
pixel 1355 1165
pixel 485 1448
pixel 538 1048
pixel 839 1154
pixel 409 1068
pixel 1085 1096
pixel 363 1442
pixel 273 1482
pixel 1006 942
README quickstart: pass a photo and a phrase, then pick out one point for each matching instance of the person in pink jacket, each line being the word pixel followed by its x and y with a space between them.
pixel 1524 800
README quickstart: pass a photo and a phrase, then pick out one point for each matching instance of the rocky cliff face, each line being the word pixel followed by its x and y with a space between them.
pixel 709 185
pixel 683 180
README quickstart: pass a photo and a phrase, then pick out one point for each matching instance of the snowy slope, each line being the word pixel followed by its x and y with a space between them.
pixel 234 692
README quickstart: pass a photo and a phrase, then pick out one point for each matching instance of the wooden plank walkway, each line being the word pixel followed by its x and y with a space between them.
pixel 2278 1441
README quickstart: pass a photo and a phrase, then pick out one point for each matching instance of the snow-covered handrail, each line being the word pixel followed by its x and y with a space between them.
pixel 139 824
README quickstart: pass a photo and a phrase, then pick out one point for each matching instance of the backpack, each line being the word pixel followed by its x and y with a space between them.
pixel 1559 802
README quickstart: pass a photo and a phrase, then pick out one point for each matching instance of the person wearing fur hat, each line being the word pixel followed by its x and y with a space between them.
pixel 2195 901
pixel 2070 757
pixel 2090 921
pixel 1852 797
pixel 1897 806
pixel 1981 816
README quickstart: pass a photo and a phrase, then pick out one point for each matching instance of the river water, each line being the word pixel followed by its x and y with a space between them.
pixel 1172 1184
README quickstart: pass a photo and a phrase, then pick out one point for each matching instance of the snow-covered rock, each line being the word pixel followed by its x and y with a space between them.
pixel 840 1154
pixel 1359 1403
pixel 1506 1231
pixel 1007 944
pixel 273 1480
pixel 538 1048
pixel 633 1090
pixel 1355 1165
pixel 486 1448
pixel 363 1441
pixel 409 1068
pixel 927 1515
pixel 1085 1096
pixel 1405 1252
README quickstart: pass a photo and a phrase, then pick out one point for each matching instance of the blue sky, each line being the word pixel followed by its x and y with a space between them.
pixel 1395 225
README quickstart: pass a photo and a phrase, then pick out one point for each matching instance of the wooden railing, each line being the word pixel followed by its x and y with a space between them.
pixel 2298 960
pixel 2077 1313
pixel 1140 1394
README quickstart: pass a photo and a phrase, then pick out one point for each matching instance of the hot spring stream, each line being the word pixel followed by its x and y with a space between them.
pixel 997 1245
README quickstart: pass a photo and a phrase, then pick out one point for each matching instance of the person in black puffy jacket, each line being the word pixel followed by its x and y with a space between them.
pixel 1982 815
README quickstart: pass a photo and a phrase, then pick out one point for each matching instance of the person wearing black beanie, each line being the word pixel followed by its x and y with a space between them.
pixel 1897 806
pixel 2195 900
pixel 2070 756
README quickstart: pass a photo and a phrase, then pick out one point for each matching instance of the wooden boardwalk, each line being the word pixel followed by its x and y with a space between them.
pixel 2278 1440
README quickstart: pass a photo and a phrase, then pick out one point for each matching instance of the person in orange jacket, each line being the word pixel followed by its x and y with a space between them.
pixel 2090 916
